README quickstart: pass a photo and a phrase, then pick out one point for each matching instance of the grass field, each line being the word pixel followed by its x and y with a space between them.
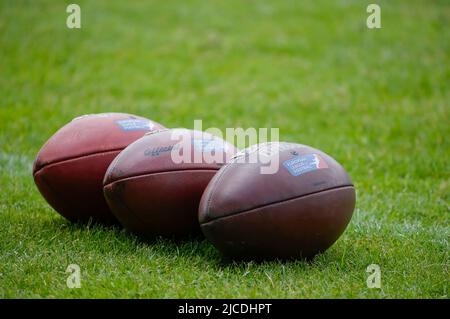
pixel 376 100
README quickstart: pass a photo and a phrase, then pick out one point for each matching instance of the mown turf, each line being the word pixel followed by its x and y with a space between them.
pixel 376 100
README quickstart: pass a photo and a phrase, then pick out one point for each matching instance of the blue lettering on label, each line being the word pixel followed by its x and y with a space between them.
pixel 209 145
pixel 135 124
pixel 302 164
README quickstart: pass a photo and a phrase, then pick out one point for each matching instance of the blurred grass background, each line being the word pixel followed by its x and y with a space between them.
pixel 376 100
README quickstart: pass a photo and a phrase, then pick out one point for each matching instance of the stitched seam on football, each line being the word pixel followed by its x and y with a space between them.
pixel 159 172
pixel 274 203
pixel 67 159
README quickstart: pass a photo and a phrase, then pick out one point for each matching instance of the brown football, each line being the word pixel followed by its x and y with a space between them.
pixel 297 209
pixel 70 167
pixel 153 192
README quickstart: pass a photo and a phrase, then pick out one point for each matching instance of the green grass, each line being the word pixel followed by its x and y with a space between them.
pixel 376 100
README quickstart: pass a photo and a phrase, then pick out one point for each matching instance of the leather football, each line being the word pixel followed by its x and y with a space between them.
pixel 154 186
pixel 70 167
pixel 296 209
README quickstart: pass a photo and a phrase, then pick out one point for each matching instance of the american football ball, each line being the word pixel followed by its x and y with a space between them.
pixel 154 186
pixel 70 167
pixel 277 200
